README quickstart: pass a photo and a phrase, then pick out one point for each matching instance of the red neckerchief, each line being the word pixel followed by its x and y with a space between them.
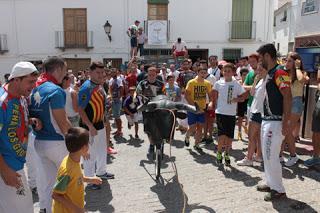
pixel 44 77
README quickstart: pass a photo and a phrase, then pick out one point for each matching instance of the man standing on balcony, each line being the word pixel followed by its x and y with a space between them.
pixel 133 34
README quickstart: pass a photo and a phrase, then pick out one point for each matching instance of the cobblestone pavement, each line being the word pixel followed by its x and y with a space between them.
pixel 208 188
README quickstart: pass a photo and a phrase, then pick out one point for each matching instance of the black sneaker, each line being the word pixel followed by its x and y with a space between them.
pixel 197 147
pixel 209 141
pixel 187 141
pixel 106 176
pixel 274 195
pixel 263 188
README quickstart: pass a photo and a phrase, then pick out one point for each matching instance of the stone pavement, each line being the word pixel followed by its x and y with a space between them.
pixel 207 187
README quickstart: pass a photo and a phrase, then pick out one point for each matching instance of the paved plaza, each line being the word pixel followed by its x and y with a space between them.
pixel 207 187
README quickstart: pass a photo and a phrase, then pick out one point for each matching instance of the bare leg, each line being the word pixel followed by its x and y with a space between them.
pixel 198 134
pixel 136 128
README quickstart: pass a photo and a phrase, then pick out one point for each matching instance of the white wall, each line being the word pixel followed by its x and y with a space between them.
pixel 308 24
pixel 31 25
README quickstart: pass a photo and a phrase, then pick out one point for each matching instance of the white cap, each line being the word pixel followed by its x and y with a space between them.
pixel 22 68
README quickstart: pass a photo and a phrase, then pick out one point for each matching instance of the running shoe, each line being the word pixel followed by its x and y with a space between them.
pixel 292 160
pixel 227 160
pixel 219 158
pixel 245 162
pixel 274 195
pixel 197 147
pixel 312 161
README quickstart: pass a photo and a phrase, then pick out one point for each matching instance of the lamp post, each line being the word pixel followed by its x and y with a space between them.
pixel 107 28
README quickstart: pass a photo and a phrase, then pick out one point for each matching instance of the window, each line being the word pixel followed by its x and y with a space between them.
pixel 75 28
pixel 157 11
pixel 284 18
pixel 241 26
pixel 231 54
pixel 309 7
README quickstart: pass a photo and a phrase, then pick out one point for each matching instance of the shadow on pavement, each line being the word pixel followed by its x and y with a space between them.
pixel 135 142
pixel 290 205
pixel 99 200
pixel 301 172
pixel 173 199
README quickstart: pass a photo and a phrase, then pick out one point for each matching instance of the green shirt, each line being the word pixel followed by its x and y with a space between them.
pixel 249 81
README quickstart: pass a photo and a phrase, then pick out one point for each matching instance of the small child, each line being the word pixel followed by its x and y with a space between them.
pixel 172 90
pixel 130 106
pixel 68 191
pixel 228 91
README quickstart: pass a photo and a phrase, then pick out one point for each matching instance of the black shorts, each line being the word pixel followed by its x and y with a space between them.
pixel 242 108
pixel 256 117
pixel 316 118
pixel 134 42
pixel 226 125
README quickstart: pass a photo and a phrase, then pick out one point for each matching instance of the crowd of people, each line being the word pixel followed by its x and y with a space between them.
pixel 55 120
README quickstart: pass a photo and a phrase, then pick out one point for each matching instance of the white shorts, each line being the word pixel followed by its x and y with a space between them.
pixel 12 201
pixel 134 119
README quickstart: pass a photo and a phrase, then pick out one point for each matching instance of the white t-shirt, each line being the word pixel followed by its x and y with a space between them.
pixel 258 97
pixel 216 72
pixel 69 107
pixel 179 46
pixel 227 91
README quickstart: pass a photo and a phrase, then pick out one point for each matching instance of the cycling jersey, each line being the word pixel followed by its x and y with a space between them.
pixel 45 98
pixel 13 130
pixel 91 98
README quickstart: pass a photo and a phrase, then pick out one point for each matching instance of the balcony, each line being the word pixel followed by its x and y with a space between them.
pixel 74 39
pixel 242 30
pixel 3 43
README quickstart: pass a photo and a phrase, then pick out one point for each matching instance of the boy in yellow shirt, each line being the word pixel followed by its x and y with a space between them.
pixel 68 191
pixel 196 93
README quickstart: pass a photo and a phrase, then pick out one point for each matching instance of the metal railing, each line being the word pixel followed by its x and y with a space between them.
pixel 242 30
pixel 74 39
pixel 3 43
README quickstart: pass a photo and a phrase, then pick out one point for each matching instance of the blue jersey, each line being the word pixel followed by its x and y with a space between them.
pixel 92 99
pixel 13 130
pixel 45 98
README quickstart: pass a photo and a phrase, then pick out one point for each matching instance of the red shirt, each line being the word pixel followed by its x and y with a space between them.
pixel 132 80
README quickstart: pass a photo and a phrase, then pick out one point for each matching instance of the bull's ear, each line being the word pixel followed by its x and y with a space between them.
pixel 181 115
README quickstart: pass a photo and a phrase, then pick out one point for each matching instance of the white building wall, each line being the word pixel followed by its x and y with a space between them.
pixel 307 24
pixel 31 25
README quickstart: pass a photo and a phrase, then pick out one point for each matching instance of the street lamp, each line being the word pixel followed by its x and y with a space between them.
pixel 107 28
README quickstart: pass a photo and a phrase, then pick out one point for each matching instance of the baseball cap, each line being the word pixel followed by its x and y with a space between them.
pixel 22 68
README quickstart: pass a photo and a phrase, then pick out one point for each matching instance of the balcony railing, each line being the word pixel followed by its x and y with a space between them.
pixel 74 39
pixel 3 43
pixel 242 30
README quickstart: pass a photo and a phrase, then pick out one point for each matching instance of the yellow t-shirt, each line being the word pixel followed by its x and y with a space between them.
pixel 70 184
pixel 198 91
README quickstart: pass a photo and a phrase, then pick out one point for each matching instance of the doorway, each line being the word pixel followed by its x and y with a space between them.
pixel 194 54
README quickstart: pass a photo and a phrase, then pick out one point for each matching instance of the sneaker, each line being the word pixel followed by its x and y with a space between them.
pixel 187 141
pixel 227 160
pixel 106 176
pixel 111 151
pixel 219 158
pixel 209 141
pixel 312 161
pixel 197 147
pixel 263 188
pixel 291 161
pixel 274 195
pixel 93 186
pixel 281 159
pixel 257 159
pixel 245 162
